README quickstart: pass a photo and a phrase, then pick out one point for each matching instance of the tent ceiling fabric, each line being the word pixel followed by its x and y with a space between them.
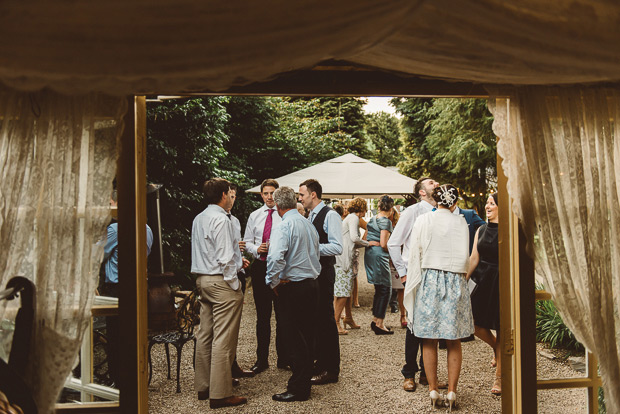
pixel 169 46
pixel 347 176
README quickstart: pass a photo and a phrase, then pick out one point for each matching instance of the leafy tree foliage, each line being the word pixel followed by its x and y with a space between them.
pixel 317 129
pixel 452 141
pixel 383 134
pixel 185 146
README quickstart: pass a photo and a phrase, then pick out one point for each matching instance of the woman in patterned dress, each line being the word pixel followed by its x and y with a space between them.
pixel 344 263
pixel 436 295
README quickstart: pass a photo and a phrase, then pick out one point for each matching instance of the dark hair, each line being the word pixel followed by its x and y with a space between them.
pixel 418 186
pixel 313 186
pixel 233 186
pixel 339 208
pixel 269 182
pixel 495 198
pixel 214 188
pixel 446 195
pixel 385 203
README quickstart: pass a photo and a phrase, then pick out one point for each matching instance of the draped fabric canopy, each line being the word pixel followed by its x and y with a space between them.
pixel 164 46
pixel 121 47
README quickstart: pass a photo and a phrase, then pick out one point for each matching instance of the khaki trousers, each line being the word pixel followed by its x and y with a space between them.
pixel 216 341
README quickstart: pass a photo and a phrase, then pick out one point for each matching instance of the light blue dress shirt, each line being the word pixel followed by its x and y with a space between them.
pixel 293 251
pixel 333 227
pixel 110 255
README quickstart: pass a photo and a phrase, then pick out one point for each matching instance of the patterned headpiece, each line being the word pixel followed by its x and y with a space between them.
pixel 446 195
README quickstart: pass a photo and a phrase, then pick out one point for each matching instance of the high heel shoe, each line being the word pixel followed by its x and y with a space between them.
pixel 351 323
pixel 342 331
pixel 497 386
pixel 451 397
pixel 434 397
pixel 381 331
pixel 403 321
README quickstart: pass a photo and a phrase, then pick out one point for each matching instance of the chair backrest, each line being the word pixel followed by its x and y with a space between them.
pixel 188 314
pixel 13 390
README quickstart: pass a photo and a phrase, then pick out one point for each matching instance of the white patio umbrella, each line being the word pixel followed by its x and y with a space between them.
pixel 349 176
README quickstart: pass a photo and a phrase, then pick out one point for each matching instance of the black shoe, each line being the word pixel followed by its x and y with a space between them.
pixel 423 380
pixel 373 326
pixel 238 372
pixel 468 339
pixel 203 395
pixel 442 344
pixel 289 396
pixel 324 378
pixel 393 308
pixel 379 331
pixel 258 368
pixel 236 382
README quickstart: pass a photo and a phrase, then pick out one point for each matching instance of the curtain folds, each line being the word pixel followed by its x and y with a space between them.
pixel 58 161
pixel 561 155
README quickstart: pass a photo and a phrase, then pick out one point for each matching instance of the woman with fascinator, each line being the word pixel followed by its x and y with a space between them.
pixel 377 262
pixel 436 295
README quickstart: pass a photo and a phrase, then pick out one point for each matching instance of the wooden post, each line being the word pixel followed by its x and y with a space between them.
pixel 131 180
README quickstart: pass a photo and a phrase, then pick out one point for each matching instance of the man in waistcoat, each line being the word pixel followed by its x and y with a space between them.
pixel 329 226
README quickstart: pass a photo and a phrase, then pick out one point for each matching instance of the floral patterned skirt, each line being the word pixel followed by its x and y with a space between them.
pixel 344 283
pixel 442 306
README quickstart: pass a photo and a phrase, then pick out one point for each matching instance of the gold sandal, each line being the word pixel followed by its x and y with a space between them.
pixel 496 389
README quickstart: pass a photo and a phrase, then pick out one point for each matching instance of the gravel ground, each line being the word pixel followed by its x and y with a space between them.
pixel 370 379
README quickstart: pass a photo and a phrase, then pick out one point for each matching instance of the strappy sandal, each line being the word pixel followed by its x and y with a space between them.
pixel 497 386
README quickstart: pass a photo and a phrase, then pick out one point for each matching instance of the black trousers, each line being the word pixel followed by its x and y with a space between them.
pixel 327 345
pixel 380 301
pixel 299 303
pixel 264 299
pixel 413 344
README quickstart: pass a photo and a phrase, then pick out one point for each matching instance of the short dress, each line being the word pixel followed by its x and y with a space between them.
pixel 442 306
pixel 485 296
pixel 377 260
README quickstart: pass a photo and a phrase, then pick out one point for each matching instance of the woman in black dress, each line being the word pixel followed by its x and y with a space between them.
pixel 484 270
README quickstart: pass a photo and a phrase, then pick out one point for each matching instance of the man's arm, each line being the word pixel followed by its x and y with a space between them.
pixel 111 242
pixel 248 237
pixel 275 259
pixel 399 236
pixel 333 228
pixel 224 241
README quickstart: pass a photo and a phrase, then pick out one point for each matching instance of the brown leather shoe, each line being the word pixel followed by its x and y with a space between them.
pixel 423 380
pixel 203 395
pixel 227 402
pixel 409 384
pixel 324 378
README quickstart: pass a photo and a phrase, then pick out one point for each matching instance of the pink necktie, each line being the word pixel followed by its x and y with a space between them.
pixel 267 231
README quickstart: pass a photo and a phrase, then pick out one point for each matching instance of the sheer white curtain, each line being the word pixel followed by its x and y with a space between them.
pixel 57 162
pixel 562 159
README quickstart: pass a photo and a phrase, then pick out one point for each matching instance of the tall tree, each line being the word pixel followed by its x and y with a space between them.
pixel 185 146
pixel 452 141
pixel 383 135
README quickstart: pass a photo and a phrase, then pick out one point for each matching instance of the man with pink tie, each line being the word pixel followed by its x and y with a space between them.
pixel 257 235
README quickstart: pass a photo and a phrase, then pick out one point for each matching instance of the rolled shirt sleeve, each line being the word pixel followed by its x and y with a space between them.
pixel 333 228
pixel 275 259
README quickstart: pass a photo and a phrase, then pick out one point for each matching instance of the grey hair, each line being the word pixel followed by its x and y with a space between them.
pixel 285 198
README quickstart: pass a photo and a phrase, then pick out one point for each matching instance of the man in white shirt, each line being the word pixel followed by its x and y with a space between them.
pixel 257 235
pixel 329 226
pixel 216 262
pixel 398 247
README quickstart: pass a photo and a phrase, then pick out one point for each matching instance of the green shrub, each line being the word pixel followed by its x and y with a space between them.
pixel 550 328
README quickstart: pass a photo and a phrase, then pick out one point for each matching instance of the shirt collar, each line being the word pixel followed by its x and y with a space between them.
pixel 265 208
pixel 289 213
pixel 318 207
pixel 216 208
pixel 427 206
pixel 456 211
